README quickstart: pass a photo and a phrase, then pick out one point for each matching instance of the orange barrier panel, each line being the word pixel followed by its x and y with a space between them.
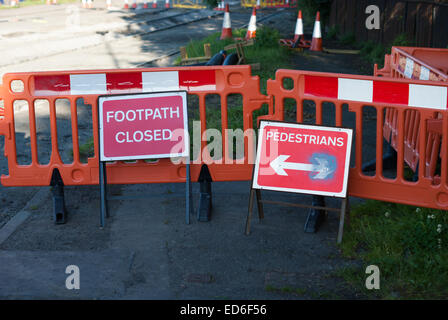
pixel 328 94
pixel 423 64
pixel 89 85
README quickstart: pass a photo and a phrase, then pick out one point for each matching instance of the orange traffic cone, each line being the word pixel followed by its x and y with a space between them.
pixel 251 31
pixel 167 4
pixel 226 25
pixel 299 27
pixel 316 43
pixel 154 4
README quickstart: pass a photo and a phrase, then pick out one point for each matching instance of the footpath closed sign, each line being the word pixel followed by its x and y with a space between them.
pixel 143 126
pixel 301 158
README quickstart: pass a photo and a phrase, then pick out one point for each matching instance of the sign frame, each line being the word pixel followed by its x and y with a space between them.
pixel 104 210
pixel 255 191
pixel 104 98
pixel 264 123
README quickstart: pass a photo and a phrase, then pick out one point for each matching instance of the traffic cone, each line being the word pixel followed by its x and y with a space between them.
pixel 226 25
pixel 251 31
pixel 154 4
pixel 167 4
pixel 299 27
pixel 258 6
pixel 126 4
pixel 145 5
pixel 134 4
pixel 109 4
pixel 316 43
pixel 89 4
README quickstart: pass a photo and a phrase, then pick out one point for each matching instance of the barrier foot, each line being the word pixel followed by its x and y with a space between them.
pixel 57 189
pixel 389 161
pixel 205 200
pixel 316 216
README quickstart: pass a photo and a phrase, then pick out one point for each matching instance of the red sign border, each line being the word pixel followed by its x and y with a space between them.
pixel 264 123
pixel 103 98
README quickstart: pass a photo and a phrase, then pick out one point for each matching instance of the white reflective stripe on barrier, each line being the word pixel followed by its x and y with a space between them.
pixel 88 84
pixel 355 90
pixel 423 96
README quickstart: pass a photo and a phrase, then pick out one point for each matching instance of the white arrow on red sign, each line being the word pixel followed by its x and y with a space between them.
pixel 322 167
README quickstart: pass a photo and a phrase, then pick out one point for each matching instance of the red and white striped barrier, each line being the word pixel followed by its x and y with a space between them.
pixel 385 92
pixel 132 82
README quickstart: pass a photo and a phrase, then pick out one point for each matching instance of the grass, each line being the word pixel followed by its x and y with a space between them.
pixel 371 52
pixel 408 244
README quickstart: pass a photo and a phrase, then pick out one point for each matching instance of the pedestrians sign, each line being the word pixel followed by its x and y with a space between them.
pixel 143 126
pixel 302 158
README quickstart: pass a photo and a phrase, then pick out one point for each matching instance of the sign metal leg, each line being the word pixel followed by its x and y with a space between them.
pixel 189 195
pixel 104 212
pixel 259 205
pixel 249 212
pixel 342 219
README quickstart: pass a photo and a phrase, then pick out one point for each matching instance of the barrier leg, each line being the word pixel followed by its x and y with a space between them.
pixel 316 216
pixel 57 189
pixel 205 200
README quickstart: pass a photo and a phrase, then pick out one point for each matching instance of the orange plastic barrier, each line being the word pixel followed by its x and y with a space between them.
pixel 423 64
pixel 89 85
pixel 333 91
